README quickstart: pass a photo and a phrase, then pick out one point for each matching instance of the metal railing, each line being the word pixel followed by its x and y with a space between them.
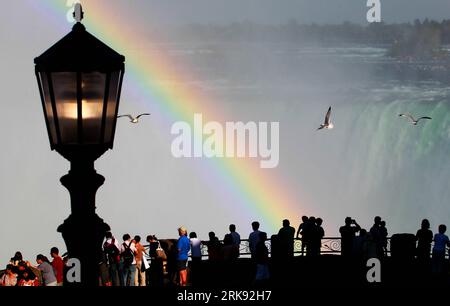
pixel 329 245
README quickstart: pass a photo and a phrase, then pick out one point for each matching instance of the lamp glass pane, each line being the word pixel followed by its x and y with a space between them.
pixel 93 88
pixel 65 89
pixel 48 106
pixel 112 105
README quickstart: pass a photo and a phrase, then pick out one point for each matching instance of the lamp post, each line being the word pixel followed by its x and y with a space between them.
pixel 80 80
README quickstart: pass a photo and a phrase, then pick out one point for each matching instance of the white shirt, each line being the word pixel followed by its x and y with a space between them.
pixel 132 248
pixel 196 247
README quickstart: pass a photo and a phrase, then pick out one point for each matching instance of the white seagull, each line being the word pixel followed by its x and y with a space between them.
pixel 411 118
pixel 327 124
pixel 134 119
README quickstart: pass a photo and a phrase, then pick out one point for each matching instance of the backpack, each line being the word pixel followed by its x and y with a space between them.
pixel 127 255
pixel 112 252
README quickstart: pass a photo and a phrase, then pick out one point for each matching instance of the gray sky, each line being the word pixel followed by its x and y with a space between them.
pixel 146 189
pixel 279 11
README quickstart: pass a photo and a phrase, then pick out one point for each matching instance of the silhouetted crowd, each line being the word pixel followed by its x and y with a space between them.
pixel 176 262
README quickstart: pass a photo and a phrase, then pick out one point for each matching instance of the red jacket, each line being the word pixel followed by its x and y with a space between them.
pixel 58 268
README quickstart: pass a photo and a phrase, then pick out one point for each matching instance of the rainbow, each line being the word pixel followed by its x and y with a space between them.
pixel 260 193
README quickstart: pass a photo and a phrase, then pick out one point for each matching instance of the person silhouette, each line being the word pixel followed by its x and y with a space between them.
pixel 155 275
pixel 139 276
pixel 17 259
pixel 111 248
pixel 441 241
pixel 214 247
pixel 196 247
pixel 315 233
pixel 348 233
pixel 235 235
pixel 230 251
pixel 320 233
pixel 286 240
pixel 300 230
pixel 262 260
pixel 377 234
pixel 128 260
pixel 308 235
pixel 424 238
pixel 301 226
pixel 253 238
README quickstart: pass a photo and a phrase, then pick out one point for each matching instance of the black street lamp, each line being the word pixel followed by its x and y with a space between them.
pixel 80 80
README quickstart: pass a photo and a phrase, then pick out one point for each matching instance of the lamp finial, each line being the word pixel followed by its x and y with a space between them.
pixel 78 13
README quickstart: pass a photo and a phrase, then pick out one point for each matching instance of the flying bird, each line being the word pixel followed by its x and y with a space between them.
pixel 327 123
pixel 412 119
pixel 134 119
